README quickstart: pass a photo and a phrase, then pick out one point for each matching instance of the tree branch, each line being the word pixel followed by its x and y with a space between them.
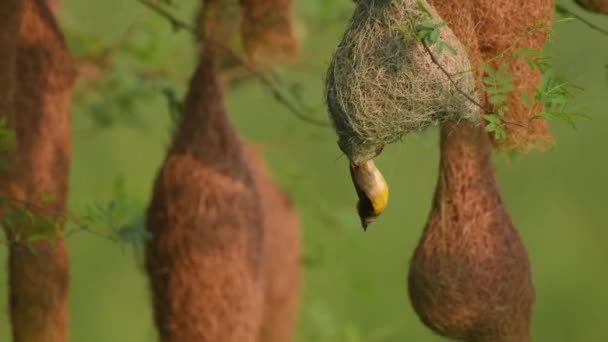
pixel 449 76
pixel 42 210
pixel 467 96
pixel 566 12
pixel 178 24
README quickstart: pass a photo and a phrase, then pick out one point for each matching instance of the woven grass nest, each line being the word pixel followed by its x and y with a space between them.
pixel 382 83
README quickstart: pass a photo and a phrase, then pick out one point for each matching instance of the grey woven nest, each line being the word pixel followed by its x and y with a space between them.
pixel 382 83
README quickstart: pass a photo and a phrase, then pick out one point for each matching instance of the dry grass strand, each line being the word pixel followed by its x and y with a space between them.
pixel 382 84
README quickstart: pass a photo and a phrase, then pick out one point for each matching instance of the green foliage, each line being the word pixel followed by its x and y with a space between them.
pixel 116 100
pixel 499 82
pixel 556 95
pixel 118 220
pixel 533 57
pixel 115 295
pixel 33 222
pixel 428 31
pixel 495 125
pixel 498 85
pixel 553 93
pixel 18 217
pixel 128 72
pixel 119 76
pixel 25 226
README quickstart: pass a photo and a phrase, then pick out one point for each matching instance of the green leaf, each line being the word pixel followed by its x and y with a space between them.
pixel 439 48
pixel 422 34
pixel 534 58
pixel 568 118
pixel 490 81
pixel 434 36
pixel 507 87
pixel 492 118
pixel 133 235
pixel 526 100
pixel 500 133
pixel 497 99
pixel 452 49
pixel 527 52
pixel 423 8
pixel 488 69
pixel 426 24
pixel 502 69
pixel 506 79
pixel 503 110
pixel 46 226
pixel 495 126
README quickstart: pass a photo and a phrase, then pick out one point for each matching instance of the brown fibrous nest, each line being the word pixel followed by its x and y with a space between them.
pixel 502 27
pixel 383 82
pixel 268 31
pixel 492 31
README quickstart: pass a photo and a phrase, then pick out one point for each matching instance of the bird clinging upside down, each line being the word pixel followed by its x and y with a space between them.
pixel 371 188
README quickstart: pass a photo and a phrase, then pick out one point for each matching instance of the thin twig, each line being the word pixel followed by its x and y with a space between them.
pixel 514 123
pixel 566 12
pixel 278 96
pixel 531 30
pixel 467 96
pixel 449 76
pixel 58 215
pixel 178 24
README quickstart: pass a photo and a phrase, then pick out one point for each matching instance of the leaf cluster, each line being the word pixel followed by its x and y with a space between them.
pixel 498 85
pixel 114 92
pixel 118 220
pixel 553 94
pixel 24 225
pixel 428 31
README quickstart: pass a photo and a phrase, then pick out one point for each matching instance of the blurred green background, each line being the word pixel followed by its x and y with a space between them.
pixel 355 282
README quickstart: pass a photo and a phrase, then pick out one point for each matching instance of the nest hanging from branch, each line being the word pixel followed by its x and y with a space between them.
pixel 268 31
pixel 383 82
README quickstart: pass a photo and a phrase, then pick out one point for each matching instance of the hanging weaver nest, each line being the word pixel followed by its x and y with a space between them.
pixel 268 31
pixel 382 83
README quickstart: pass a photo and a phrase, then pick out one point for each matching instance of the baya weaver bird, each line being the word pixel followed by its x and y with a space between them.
pixel 372 191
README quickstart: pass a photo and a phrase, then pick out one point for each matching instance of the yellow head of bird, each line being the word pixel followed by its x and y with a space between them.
pixel 372 191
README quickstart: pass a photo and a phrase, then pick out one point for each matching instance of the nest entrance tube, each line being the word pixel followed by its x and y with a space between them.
pixel 383 82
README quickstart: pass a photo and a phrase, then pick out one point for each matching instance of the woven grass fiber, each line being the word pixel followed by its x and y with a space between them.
pixel 382 84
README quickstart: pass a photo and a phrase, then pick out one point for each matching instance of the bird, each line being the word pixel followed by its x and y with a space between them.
pixel 372 190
